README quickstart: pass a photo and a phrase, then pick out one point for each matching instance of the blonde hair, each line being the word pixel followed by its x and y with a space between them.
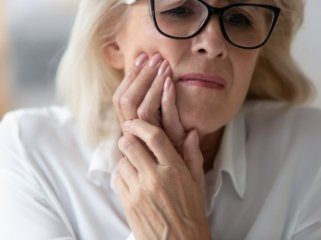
pixel 4 68
pixel 277 76
pixel 86 83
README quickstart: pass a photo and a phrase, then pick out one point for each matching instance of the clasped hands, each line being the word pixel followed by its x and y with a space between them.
pixel 160 179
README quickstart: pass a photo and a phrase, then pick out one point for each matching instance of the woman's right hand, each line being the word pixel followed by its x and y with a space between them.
pixel 142 94
pixel 147 92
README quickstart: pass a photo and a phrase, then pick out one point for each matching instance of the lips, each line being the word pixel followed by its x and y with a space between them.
pixel 203 80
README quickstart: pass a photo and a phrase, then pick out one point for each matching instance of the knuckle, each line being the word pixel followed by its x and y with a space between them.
pixel 126 142
pixel 118 183
pixel 173 172
pixel 143 112
pixel 157 137
pixel 127 102
pixel 181 172
pixel 129 206
pixel 123 167
pixel 135 201
pixel 154 185
pixel 121 164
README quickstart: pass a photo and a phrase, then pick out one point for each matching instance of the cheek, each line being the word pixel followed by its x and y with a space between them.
pixel 243 68
pixel 150 41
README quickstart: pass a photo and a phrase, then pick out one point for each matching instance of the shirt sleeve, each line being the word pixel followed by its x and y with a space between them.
pixel 25 212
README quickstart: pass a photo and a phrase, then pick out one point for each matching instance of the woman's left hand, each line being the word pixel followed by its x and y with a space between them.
pixel 161 191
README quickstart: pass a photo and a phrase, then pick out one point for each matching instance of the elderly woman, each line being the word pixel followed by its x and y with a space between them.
pixel 181 121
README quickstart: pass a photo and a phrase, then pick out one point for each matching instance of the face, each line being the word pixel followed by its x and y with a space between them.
pixel 206 109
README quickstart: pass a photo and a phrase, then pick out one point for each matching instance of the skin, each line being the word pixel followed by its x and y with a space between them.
pixel 207 53
pixel 160 179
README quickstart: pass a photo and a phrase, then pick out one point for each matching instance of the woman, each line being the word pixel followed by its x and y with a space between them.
pixel 183 118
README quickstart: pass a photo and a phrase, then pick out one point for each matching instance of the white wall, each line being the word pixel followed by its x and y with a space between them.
pixel 307 46
pixel 39 31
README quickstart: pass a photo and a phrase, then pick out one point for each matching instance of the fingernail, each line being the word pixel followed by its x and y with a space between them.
pixel 155 60
pixel 162 68
pixel 168 83
pixel 141 58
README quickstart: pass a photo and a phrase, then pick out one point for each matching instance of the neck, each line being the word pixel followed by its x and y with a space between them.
pixel 209 145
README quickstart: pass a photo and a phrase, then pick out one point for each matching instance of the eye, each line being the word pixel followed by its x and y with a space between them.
pixel 178 12
pixel 238 20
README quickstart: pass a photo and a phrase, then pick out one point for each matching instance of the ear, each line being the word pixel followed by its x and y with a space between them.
pixel 114 55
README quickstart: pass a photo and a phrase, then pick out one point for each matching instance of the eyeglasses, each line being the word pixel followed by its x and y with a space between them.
pixel 245 25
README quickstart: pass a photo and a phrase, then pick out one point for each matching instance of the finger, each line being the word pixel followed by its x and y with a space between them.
pixel 119 185
pixel 170 117
pixel 149 109
pixel 128 172
pixel 126 82
pixel 136 153
pixel 156 140
pixel 135 94
pixel 193 157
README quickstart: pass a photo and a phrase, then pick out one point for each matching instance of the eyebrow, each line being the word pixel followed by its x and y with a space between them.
pixel 243 1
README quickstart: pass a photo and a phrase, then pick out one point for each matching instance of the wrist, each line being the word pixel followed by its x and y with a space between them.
pixel 206 231
pixel 202 232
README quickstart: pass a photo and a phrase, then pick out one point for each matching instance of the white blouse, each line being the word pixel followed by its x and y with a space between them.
pixel 265 183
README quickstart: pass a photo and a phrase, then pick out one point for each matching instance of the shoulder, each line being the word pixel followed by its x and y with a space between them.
pixel 28 124
pixel 44 146
pixel 285 138
pixel 281 118
pixel 291 134
pixel 280 110
pixel 32 170
pixel 32 117
pixel 31 135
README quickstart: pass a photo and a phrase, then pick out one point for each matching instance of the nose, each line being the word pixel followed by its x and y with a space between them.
pixel 210 42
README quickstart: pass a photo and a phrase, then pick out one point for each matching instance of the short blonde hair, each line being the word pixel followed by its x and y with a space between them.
pixel 86 83
pixel 277 76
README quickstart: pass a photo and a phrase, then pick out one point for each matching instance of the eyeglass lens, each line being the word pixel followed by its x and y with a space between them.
pixel 244 25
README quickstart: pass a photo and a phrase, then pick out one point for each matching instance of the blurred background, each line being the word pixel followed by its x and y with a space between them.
pixel 34 34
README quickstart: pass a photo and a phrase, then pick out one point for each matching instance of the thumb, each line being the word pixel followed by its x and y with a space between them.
pixel 193 158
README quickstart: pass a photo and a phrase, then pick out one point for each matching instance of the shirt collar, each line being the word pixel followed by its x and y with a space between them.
pixel 104 158
pixel 231 156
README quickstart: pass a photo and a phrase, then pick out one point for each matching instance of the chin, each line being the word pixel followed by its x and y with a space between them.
pixel 204 123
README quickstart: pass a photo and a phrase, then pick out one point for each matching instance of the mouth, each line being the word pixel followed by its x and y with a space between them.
pixel 203 80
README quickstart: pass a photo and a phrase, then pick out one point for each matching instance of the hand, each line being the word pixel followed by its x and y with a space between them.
pixel 162 196
pixel 141 95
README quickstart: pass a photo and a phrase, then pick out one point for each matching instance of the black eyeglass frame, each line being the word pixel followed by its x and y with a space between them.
pixel 212 11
